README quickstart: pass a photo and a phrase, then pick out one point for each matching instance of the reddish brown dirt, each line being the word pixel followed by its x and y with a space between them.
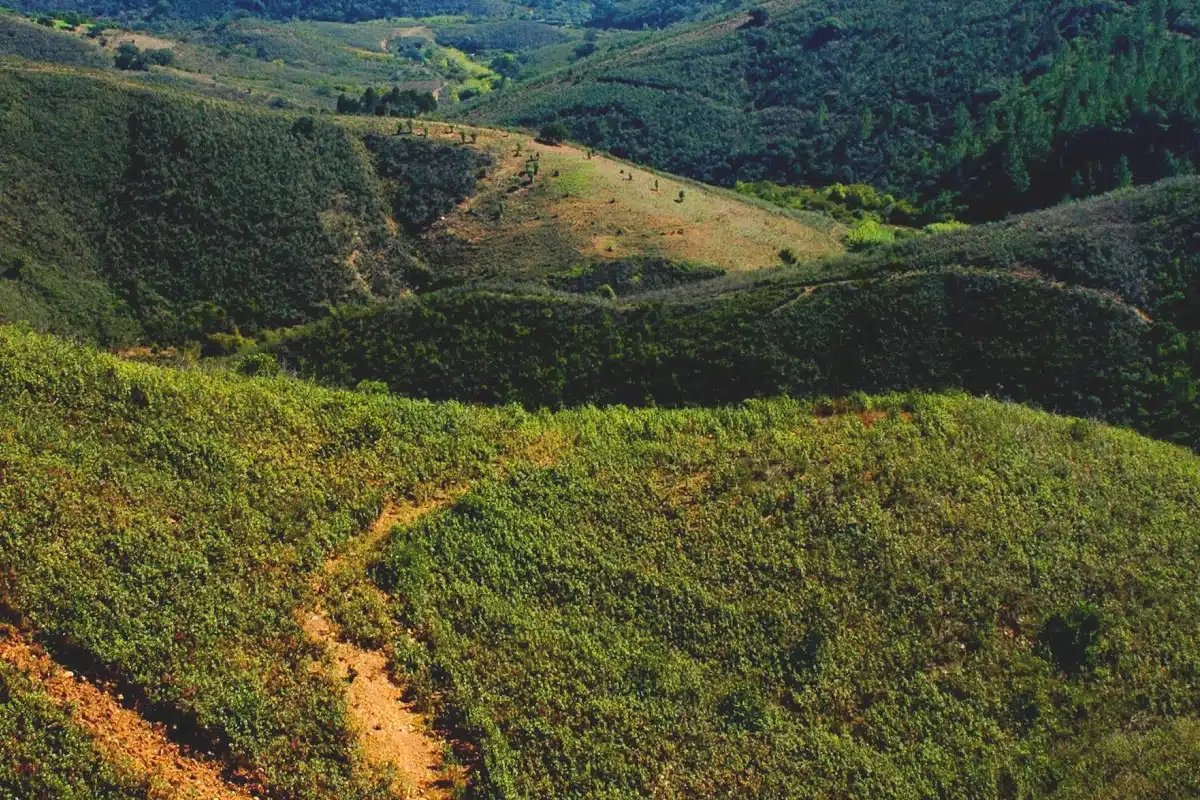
pixel 391 730
pixel 121 733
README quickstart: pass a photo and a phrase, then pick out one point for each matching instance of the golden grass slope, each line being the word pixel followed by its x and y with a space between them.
pixel 583 209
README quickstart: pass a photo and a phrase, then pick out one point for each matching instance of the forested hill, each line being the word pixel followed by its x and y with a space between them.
pixel 633 14
pixel 995 107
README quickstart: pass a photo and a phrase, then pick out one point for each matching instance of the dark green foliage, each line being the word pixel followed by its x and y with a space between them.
pixel 1072 640
pixel 23 39
pixel 786 600
pixel 981 108
pixel 514 36
pixel 554 133
pixel 44 755
pixel 165 527
pixel 396 102
pixel 129 57
pixel 1061 348
pixel 430 178
pixel 200 216
pixel 631 276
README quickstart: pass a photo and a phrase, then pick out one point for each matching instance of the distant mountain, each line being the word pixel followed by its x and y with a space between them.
pixel 633 14
pixel 983 108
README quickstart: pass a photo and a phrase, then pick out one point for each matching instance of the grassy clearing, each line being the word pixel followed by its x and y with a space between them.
pixel 581 209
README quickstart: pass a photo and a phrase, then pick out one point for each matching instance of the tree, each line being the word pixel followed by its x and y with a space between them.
pixel 507 66
pixel 759 17
pixel 162 57
pixel 130 58
pixel 554 133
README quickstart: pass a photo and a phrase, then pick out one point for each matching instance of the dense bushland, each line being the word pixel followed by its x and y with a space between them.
pixel 979 108
pixel 1088 309
pixel 122 484
pixel 128 211
pixel 1023 339
pixel 932 597
pixel 429 179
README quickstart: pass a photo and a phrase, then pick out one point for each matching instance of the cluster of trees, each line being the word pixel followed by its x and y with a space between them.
pixel 513 36
pixel 129 57
pixel 1028 102
pixel 429 178
pixel 633 14
pixel 395 103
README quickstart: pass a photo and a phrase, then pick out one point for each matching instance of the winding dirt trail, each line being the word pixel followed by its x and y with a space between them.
pixel 121 733
pixel 391 730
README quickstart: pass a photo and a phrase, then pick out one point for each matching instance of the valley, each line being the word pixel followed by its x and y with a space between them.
pixel 459 399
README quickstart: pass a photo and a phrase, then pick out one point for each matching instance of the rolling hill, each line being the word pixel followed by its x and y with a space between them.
pixel 981 108
pixel 844 597
pixel 187 218
pixel 370 457
pixel 1085 309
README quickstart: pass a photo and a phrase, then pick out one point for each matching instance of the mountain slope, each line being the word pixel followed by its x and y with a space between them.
pixel 1005 106
pixel 127 209
pixel 840 597
pixel 582 208
pixel 1087 309
pixel 130 213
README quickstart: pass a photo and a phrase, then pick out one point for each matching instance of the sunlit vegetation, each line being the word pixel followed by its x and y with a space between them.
pixel 124 483
pixel 1030 102
pixel 895 598
pixel 770 581
pixel 46 755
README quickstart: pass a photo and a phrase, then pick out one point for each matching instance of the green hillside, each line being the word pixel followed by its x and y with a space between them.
pixel 421 449
pixel 633 14
pixel 897 597
pixel 982 108
pixel 128 212
pixel 1086 309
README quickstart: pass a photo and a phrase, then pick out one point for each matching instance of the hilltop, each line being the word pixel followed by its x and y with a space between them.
pixel 583 207
pixel 887 583
pixel 1085 309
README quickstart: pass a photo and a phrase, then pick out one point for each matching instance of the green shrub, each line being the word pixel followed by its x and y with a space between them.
pixel 554 133
pixel 884 603
pixel 868 234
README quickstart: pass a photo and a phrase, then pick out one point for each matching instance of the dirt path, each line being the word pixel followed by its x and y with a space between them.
pixel 391 730
pixel 121 733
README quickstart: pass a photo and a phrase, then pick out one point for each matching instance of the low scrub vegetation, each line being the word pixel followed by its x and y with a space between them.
pixel 46 755
pixel 892 598
pixel 123 483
